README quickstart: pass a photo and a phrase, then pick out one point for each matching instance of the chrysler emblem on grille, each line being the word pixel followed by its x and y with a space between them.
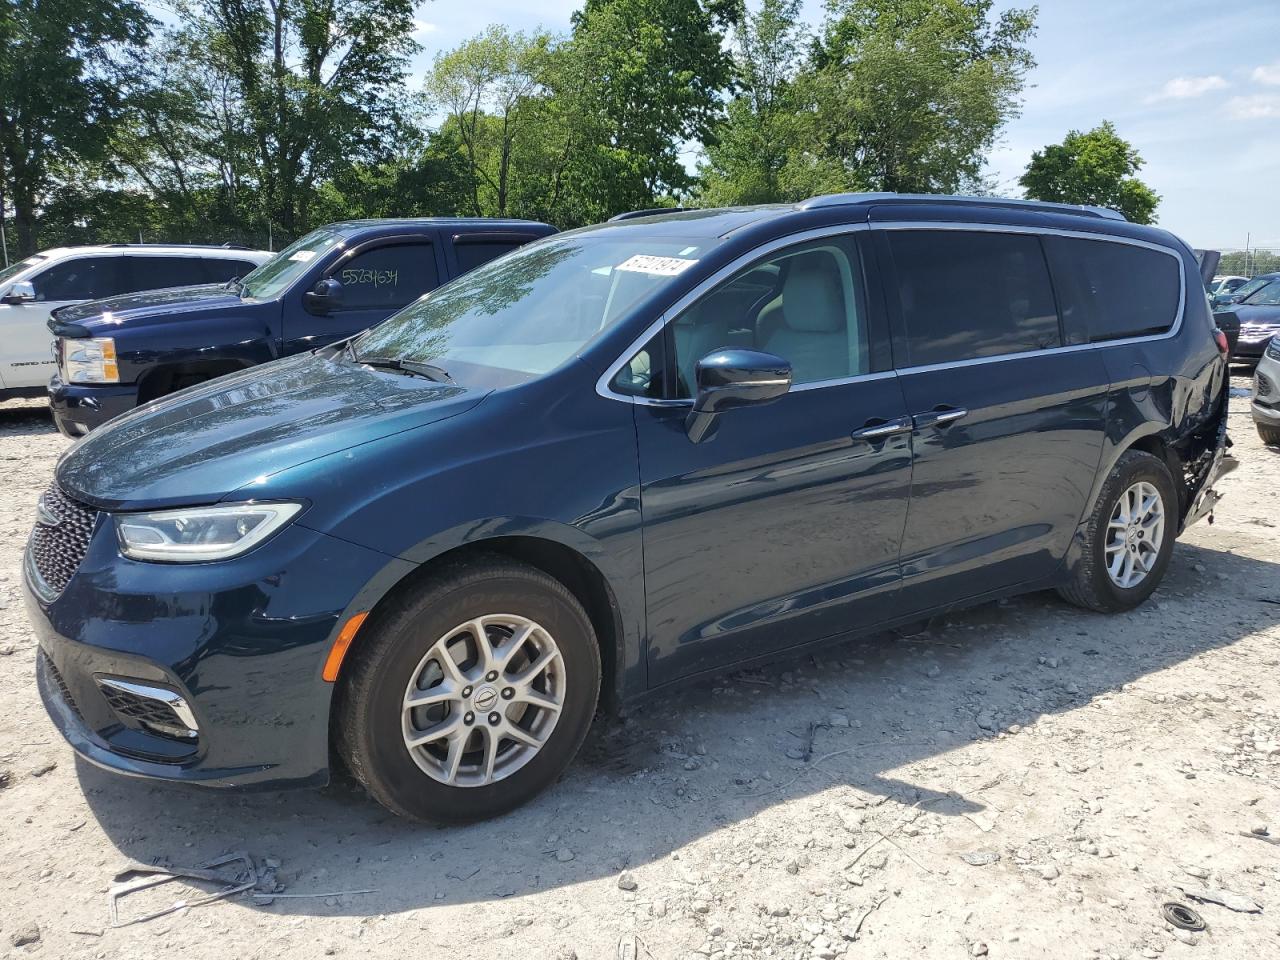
pixel 45 516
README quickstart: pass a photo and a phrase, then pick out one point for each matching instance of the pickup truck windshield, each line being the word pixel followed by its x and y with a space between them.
pixel 534 308
pixel 277 274
pixel 15 268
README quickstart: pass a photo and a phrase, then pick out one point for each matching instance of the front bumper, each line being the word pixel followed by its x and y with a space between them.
pixel 240 644
pixel 78 408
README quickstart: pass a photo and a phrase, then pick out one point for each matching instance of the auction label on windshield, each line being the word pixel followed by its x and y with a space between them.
pixel 660 266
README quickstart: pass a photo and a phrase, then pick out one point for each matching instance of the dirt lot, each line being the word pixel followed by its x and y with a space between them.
pixel 1023 780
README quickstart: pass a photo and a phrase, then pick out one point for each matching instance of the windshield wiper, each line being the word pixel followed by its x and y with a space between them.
pixel 235 284
pixel 428 371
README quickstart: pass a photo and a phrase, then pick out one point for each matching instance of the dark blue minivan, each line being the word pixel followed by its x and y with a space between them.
pixel 617 459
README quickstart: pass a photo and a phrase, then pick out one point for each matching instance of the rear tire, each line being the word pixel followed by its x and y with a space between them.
pixel 1120 567
pixel 486 738
pixel 1270 435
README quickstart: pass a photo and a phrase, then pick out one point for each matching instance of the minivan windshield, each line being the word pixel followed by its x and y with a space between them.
pixel 1268 296
pixel 1243 291
pixel 277 274
pixel 532 309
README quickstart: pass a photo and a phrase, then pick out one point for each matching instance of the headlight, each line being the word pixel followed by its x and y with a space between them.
pixel 200 533
pixel 90 361
pixel 1273 348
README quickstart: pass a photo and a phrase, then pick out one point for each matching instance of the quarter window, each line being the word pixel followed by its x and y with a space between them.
pixel 471 254
pixel 803 304
pixel 1111 290
pixel 969 294
pixel 387 277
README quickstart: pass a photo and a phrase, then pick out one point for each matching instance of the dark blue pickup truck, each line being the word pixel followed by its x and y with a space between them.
pixel 334 282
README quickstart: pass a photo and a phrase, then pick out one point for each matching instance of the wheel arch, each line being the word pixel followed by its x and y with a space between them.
pixel 571 567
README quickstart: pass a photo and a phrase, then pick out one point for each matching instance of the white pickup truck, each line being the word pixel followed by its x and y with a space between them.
pixel 32 289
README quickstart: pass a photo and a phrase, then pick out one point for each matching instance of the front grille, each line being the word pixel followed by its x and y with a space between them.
pixel 61 685
pixel 60 538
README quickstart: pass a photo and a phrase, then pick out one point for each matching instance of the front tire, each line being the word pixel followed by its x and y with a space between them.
pixel 1269 435
pixel 471 695
pixel 1128 537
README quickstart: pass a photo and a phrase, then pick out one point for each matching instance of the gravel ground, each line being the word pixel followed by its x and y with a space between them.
pixel 1023 780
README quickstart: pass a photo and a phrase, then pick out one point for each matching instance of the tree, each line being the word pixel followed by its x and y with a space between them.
pixel 747 160
pixel 909 95
pixel 648 75
pixel 486 88
pixel 1095 168
pixel 318 84
pixel 61 73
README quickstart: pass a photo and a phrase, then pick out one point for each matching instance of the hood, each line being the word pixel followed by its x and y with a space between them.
pixel 202 444
pixel 1260 315
pixel 103 316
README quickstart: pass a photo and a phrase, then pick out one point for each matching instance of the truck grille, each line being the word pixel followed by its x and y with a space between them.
pixel 60 538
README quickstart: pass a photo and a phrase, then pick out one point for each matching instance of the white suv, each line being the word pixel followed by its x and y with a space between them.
pixel 33 288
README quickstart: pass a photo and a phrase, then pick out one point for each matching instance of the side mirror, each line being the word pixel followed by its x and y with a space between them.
pixel 324 296
pixel 730 378
pixel 20 292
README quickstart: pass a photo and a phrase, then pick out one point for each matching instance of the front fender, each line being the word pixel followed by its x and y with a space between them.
pixel 240 339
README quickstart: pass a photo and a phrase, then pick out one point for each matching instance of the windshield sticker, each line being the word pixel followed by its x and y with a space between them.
pixel 302 256
pixel 658 266
pixel 379 278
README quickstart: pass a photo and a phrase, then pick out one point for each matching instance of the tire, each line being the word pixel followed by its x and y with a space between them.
pixel 1270 435
pixel 404 653
pixel 1092 585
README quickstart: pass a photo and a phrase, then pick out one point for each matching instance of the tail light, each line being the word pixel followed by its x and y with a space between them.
pixel 1220 339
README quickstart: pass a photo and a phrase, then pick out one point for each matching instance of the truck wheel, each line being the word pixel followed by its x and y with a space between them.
pixel 1129 537
pixel 469 696
pixel 1270 435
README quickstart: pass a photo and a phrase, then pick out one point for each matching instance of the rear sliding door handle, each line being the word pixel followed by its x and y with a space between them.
pixel 878 430
pixel 939 418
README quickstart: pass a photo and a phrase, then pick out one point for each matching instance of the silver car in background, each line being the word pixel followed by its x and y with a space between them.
pixel 1266 394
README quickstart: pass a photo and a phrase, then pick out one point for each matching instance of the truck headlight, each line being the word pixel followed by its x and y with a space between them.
pixel 90 360
pixel 200 533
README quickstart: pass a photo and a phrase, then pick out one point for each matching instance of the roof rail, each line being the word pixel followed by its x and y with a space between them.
pixel 197 246
pixel 651 212
pixel 849 199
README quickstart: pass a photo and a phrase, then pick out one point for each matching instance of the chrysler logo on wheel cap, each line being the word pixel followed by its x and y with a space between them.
pixel 484 699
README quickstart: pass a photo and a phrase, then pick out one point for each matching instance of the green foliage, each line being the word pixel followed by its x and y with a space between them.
pixel 1095 168
pixel 60 73
pixel 1249 263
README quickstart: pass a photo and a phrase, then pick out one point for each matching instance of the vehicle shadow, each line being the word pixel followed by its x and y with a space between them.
pixel 878 716
pixel 22 416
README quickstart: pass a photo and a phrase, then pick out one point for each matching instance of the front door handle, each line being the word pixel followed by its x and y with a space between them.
pixel 879 429
pixel 939 417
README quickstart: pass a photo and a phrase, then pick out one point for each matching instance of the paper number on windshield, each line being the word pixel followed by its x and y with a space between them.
pixel 659 266
pixel 378 278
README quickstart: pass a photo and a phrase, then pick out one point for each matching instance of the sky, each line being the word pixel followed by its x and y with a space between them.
pixel 1193 85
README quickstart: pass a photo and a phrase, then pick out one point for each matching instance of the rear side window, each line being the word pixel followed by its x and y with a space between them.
pixel 156 273
pixel 387 277
pixel 970 294
pixel 1111 290
pixel 80 278
pixel 471 254
pixel 221 270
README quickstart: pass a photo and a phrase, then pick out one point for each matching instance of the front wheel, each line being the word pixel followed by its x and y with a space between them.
pixel 1269 435
pixel 470 695
pixel 1128 538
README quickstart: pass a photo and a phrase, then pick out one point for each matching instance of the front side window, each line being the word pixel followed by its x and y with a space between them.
pixel 80 278
pixel 387 277
pixel 535 308
pixel 802 304
pixel 279 273
pixel 971 294
pixel 1112 290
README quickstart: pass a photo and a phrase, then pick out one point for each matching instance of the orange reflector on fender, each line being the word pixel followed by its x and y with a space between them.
pixel 334 663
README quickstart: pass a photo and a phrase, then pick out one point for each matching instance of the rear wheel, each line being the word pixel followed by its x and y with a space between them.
pixel 1270 435
pixel 1129 536
pixel 470 696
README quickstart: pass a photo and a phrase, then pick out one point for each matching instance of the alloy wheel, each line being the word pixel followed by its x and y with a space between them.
pixel 484 700
pixel 1134 535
